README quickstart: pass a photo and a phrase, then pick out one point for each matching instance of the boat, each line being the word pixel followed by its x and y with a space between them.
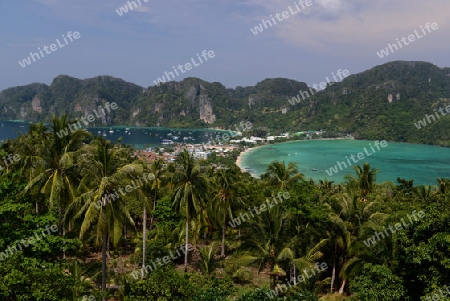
pixel 166 141
pixel 175 137
pixel 313 169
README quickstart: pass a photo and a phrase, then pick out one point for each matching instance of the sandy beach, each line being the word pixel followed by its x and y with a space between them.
pixel 239 158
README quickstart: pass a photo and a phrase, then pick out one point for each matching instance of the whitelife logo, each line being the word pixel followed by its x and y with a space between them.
pixel 90 118
pixel 280 17
pixel 12 249
pixel 423 123
pixel 360 156
pixel 322 86
pixel 258 210
pixel 11 158
pixel 371 241
pixel 128 188
pixel 124 9
pixel 411 38
pixel 27 61
pixel 245 126
pixel 188 66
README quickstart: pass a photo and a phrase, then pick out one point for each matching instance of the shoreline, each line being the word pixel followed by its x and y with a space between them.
pixel 248 150
pixel 239 158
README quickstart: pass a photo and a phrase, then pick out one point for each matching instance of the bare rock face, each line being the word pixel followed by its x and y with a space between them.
pixel 36 104
pixel 23 112
pixel 251 102
pixel 191 94
pixel 206 110
pixel 78 107
pixel 159 107
pixel 136 112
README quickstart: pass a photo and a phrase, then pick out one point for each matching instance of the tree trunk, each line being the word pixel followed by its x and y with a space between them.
pixel 62 232
pixel 144 239
pixel 333 274
pixel 295 274
pixel 341 290
pixel 153 211
pixel 186 246
pixel 105 241
pixel 108 253
pixel 222 253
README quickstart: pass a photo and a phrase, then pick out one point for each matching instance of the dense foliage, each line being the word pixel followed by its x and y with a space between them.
pixel 202 233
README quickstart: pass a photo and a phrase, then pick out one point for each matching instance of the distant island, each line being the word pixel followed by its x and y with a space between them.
pixel 386 103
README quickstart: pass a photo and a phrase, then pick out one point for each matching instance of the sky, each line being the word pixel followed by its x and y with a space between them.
pixel 308 43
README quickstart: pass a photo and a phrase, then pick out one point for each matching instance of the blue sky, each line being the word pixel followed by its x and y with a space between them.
pixel 141 45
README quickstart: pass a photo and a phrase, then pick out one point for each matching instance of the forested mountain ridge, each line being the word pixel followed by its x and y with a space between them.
pixel 381 103
pixel 386 102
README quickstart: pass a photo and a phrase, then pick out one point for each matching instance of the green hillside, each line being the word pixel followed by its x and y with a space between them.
pixel 381 103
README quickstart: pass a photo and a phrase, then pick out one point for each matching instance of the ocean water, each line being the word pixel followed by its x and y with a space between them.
pixel 423 163
pixel 139 137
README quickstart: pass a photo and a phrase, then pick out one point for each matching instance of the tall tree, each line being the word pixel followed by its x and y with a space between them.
pixel 57 180
pixel 190 192
pixel 226 200
pixel 365 179
pixel 158 171
pixel 106 171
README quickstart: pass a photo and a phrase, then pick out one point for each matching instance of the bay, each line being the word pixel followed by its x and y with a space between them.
pixel 423 163
pixel 139 137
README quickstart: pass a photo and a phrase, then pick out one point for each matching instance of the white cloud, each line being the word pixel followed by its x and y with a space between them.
pixel 355 23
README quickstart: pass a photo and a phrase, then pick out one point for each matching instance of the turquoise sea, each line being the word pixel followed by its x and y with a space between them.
pixel 422 163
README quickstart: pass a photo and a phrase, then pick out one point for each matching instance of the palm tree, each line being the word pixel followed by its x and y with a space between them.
pixel 348 215
pixel 425 193
pixel 158 171
pixel 226 199
pixel 105 170
pixel 365 181
pixel 282 176
pixel 190 192
pixel 57 180
pixel 34 151
pixel 207 261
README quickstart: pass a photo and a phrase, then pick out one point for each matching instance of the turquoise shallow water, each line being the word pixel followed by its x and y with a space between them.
pixel 422 163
